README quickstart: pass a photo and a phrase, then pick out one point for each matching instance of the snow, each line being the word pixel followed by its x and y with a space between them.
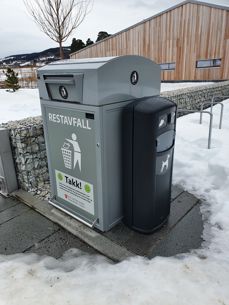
pixel 2 75
pixel 19 105
pixel 205 172
pixel 28 63
pixel 198 277
pixel 82 279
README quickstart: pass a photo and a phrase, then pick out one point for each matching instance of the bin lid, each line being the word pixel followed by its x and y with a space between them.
pixel 99 81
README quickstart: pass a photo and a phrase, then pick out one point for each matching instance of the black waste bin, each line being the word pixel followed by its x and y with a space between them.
pixel 148 143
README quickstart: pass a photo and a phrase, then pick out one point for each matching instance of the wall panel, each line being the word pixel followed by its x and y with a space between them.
pixel 185 34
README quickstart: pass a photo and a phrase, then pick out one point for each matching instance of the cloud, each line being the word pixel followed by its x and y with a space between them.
pixel 147 4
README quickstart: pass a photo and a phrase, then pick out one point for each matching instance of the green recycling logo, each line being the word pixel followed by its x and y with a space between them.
pixel 87 188
pixel 60 177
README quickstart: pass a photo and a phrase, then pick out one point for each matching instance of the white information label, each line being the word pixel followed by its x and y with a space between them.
pixel 75 191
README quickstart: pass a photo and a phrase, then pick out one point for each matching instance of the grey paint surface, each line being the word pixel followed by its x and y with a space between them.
pixel 105 80
pixel 85 169
pixel 8 180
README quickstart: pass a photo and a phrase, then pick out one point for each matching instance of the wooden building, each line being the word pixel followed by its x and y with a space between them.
pixel 190 41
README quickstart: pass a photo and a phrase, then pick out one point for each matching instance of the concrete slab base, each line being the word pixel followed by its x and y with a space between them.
pixel 180 234
pixel 24 230
pixel 94 239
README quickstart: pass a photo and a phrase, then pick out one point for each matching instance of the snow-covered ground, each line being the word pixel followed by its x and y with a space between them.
pixel 25 102
pixel 198 277
pixel 19 105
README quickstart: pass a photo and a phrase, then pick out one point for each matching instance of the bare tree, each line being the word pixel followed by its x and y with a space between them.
pixel 58 18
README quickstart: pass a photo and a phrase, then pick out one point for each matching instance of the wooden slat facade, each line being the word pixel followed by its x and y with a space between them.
pixel 186 33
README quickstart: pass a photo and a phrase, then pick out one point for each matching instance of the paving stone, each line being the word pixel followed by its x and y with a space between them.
pixel 142 244
pixel 59 242
pixel 180 207
pixel 24 231
pixel 176 191
pixel 34 233
pixel 12 212
pixel 185 236
pixel 6 203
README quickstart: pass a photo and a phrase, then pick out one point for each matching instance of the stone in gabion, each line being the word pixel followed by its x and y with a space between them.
pixel 28 145
pixel 192 98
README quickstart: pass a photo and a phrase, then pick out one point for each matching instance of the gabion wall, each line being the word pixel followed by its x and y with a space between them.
pixel 29 152
pixel 193 97
pixel 28 144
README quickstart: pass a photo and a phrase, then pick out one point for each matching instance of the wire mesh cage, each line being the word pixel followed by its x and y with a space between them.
pixel 67 155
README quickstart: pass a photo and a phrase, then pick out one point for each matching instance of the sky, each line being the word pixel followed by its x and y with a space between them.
pixel 19 34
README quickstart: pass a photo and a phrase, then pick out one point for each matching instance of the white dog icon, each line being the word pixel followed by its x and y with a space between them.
pixel 165 164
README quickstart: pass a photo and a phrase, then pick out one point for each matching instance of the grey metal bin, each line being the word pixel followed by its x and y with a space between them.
pixel 82 103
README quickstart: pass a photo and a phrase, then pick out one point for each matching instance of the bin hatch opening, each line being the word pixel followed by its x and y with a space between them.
pixel 65 87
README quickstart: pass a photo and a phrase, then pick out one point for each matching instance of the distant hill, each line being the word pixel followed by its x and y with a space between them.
pixel 36 58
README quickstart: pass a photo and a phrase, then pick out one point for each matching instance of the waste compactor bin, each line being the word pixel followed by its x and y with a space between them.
pixel 148 143
pixel 82 104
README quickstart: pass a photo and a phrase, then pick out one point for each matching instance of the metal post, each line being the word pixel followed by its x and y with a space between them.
pixel 221 116
pixel 201 112
pixel 221 112
pixel 222 107
pixel 210 131
pixel 212 103
pixel 210 123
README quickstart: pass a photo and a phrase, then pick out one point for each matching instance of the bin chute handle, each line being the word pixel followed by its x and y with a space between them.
pixel 60 81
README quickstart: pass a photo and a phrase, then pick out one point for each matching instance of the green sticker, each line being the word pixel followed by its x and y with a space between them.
pixel 87 188
pixel 60 176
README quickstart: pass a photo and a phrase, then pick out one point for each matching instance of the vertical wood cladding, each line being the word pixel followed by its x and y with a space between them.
pixel 183 35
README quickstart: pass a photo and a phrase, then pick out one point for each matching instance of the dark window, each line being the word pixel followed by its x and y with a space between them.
pixel 208 63
pixel 168 66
